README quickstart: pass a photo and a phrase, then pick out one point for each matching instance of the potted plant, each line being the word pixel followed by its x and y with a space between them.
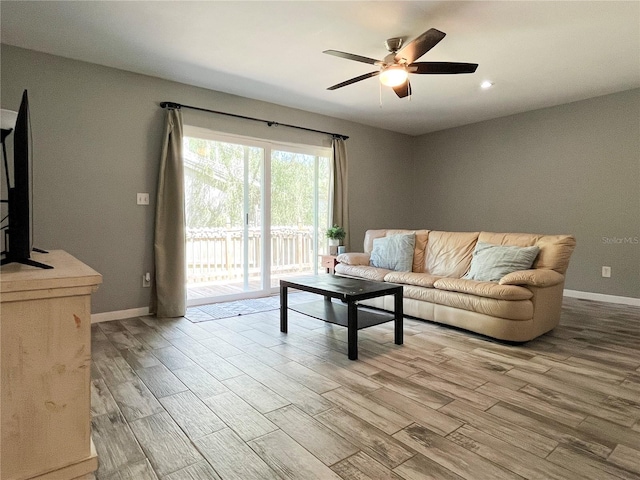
pixel 335 235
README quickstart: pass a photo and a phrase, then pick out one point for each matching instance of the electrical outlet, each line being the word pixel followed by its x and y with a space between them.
pixel 143 199
pixel 606 272
pixel 146 280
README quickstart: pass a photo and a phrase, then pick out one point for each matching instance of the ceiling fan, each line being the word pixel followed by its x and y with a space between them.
pixel 401 61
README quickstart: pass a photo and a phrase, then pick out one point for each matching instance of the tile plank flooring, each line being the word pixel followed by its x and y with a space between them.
pixel 236 399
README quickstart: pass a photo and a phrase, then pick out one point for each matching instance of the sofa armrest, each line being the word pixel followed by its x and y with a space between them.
pixel 354 258
pixel 540 277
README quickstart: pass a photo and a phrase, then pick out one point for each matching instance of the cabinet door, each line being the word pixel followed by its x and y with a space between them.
pixel 46 399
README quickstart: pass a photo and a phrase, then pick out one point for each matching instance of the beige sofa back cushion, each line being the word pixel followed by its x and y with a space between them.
pixel 418 252
pixel 422 237
pixel 371 235
pixel 555 250
pixel 448 254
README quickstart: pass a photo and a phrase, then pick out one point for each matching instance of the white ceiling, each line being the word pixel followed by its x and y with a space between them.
pixel 538 54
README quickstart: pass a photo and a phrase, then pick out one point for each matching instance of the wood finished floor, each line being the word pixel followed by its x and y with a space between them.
pixel 236 399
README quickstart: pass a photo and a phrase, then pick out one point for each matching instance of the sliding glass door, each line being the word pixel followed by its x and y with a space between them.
pixel 256 212
pixel 300 180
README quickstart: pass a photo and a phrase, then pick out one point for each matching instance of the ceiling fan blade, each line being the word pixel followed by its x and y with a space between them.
pixel 351 56
pixel 420 45
pixel 435 68
pixel 403 90
pixel 354 80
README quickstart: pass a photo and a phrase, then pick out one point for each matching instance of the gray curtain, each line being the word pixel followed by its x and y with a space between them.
pixel 168 298
pixel 340 204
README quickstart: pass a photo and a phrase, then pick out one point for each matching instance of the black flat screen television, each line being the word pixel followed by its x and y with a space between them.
pixel 19 231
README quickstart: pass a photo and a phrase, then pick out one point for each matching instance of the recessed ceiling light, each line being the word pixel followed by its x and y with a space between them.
pixel 486 84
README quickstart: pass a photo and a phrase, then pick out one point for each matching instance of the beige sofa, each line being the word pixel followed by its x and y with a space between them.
pixel 520 306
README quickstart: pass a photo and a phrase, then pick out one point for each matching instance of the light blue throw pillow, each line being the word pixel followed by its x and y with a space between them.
pixel 394 252
pixel 492 262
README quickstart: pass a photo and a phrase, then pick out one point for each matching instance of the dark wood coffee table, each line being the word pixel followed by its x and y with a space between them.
pixel 347 314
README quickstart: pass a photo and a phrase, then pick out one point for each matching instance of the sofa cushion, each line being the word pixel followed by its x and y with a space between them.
pixel 509 309
pixel 448 254
pixel 371 235
pixel 360 271
pixel 492 262
pixel 538 277
pixel 483 289
pixel 422 237
pixel 411 278
pixel 354 258
pixel 394 252
pixel 419 249
pixel 555 250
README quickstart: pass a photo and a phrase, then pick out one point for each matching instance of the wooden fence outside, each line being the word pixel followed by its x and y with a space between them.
pixel 216 254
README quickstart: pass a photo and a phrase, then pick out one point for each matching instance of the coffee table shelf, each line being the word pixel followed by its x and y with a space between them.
pixel 332 312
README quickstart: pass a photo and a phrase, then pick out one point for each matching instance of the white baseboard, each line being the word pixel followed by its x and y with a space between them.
pixel 601 297
pixel 119 315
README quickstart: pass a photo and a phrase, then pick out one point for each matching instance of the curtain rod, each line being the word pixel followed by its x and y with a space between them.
pixel 268 122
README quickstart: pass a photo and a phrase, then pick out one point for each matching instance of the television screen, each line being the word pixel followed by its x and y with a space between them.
pixel 19 239
pixel 20 195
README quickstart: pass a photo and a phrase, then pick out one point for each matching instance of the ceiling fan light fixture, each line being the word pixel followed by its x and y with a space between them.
pixel 486 84
pixel 394 75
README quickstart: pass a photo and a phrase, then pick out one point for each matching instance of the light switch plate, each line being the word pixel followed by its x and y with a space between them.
pixel 143 199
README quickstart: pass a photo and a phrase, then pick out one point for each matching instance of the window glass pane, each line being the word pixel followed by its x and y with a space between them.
pixel 299 212
pixel 222 258
pixel 214 178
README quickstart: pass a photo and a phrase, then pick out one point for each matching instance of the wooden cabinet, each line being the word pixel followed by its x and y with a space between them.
pixel 329 262
pixel 45 366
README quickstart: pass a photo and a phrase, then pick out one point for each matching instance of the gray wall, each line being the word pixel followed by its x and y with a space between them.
pixel 573 168
pixel 97 134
